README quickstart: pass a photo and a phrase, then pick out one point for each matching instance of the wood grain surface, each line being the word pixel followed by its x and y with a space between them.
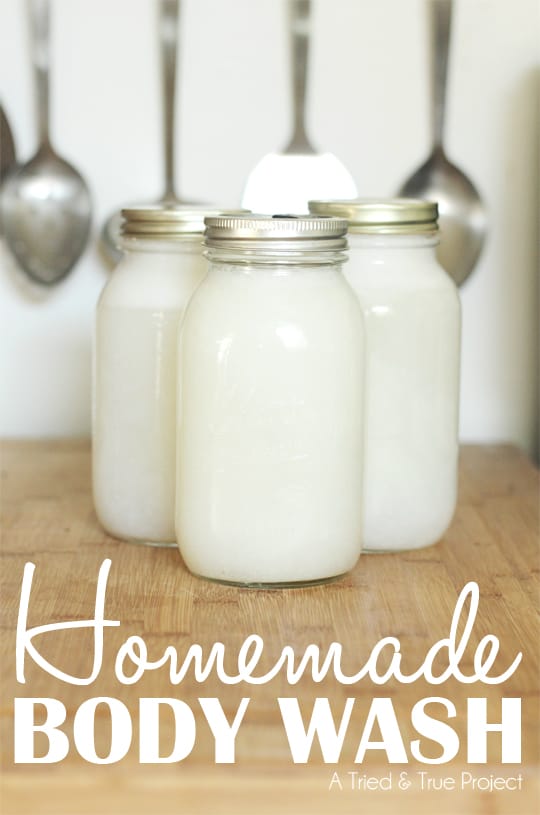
pixel 48 519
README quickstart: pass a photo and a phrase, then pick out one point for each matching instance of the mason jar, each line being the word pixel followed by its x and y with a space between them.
pixel 134 399
pixel 269 470
pixel 412 318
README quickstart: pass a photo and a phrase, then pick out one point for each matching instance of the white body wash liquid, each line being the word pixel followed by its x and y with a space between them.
pixel 270 405
pixel 412 320
pixel 135 370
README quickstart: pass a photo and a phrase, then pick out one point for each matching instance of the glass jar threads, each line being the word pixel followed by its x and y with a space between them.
pixel 412 319
pixel 134 402
pixel 269 471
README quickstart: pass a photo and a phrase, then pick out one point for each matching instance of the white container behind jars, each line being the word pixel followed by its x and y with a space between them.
pixel 134 398
pixel 270 406
pixel 412 318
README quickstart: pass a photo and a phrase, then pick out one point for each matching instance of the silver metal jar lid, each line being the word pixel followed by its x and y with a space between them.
pixel 166 221
pixel 276 232
pixel 383 215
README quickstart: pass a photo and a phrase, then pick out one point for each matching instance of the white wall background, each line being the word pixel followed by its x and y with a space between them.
pixel 368 104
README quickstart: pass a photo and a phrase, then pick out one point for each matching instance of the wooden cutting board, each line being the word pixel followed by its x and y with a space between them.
pixel 48 520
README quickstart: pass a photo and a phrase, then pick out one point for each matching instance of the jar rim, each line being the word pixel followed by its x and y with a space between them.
pixel 235 253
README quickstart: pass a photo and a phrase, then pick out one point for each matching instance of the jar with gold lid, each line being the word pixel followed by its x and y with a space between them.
pixel 270 406
pixel 412 320
pixel 135 348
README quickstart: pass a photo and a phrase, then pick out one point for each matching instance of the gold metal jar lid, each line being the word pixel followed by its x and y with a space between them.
pixel 383 215
pixel 167 222
pixel 276 232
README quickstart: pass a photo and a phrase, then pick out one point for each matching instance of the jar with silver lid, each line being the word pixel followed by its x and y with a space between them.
pixel 412 318
pixel 269 471
pixel 134 397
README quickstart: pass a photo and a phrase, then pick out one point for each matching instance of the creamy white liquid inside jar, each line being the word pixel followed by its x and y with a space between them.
pixel 412 319
pixel 134 398
pixel 270 437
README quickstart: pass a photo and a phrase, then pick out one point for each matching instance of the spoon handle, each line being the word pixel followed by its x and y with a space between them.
pixel 168 37
pixel 300 13
pixel 440 24
pixel 39 33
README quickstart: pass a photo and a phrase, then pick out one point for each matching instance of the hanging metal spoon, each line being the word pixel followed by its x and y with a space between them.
pixel 8 161
pixel 462 215
pixel 168 37
pixel 7 147
pixel 285 182
pixel 46 208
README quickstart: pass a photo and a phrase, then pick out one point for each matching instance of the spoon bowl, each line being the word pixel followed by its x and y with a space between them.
pixel 46 216
pixel 462 216
pixel 281 182
pixel 8 160
pixel 110 236
pixel 7 153
pixel 45 205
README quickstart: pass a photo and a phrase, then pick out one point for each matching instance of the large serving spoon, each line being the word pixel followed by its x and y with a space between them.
pixel 169 14
pixel 285 182
pixel 46 208
pixel 7 147
pixel 8 160
pixel 462 215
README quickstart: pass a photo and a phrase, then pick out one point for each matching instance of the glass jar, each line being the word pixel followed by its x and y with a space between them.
pixel 270 406
pixel 412 318
pixel 135 352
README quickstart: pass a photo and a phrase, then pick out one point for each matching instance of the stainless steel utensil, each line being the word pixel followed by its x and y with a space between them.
pixel 169 14
pixel 285 182
pixel 46 208
pixel 462 213
pixel 8 161
pixel 7 147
